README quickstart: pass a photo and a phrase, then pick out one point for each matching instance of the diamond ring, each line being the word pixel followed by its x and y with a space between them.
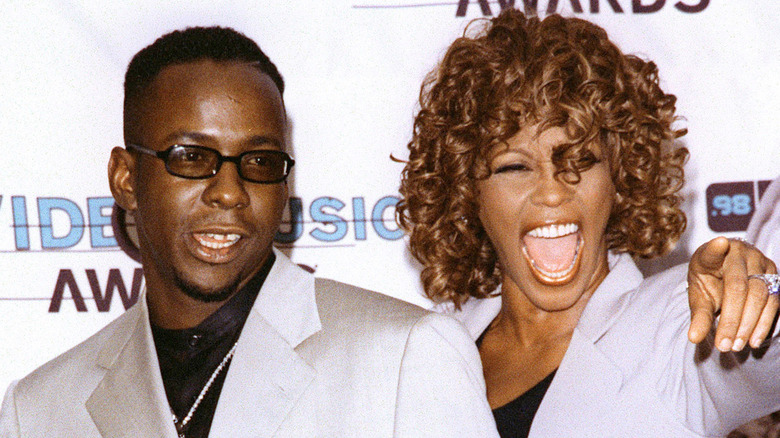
pixel 772 282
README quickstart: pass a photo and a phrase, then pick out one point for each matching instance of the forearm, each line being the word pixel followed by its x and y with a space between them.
pixel 714 392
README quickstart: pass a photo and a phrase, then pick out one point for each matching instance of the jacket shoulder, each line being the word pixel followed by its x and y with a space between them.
pixel 76 367
pixel 668 279
pixel 342 301
pixel 354 316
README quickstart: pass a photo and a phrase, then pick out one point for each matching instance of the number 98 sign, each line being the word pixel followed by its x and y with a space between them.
pixel 730 205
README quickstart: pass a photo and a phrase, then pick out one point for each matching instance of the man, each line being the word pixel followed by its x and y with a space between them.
pixel 231 339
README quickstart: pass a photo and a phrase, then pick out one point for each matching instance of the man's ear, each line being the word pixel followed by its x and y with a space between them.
pixel 121 180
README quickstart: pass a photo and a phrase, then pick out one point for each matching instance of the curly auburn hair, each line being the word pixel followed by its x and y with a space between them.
pixel 517 72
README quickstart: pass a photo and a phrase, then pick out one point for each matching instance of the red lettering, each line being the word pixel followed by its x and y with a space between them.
pixel 103 300
pixel 639 8
pixel 65 278
pixel 691 9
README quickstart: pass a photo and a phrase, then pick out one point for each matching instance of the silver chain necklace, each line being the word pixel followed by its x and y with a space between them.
pixel 180 425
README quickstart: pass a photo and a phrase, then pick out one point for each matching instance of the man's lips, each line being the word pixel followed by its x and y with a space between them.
pixel 217 245
pixel 216 240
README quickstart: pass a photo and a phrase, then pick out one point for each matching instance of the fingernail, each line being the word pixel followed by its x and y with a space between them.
pixel 755 342
pixel 739 344
pixel 725 345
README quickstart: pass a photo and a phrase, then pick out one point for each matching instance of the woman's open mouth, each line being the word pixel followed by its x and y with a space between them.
pixel 553 251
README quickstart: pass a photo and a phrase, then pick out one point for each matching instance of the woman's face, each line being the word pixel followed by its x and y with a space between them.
pixel 549 234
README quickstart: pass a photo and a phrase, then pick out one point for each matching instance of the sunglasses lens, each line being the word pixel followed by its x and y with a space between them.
pixel 264 166
pixel 192 161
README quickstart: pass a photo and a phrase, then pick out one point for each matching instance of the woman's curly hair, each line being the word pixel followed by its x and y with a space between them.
pixel 518 72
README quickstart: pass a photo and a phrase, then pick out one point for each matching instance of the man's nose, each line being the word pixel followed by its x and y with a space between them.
pixel 226 189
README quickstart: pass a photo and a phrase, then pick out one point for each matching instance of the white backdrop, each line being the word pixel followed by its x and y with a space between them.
pixel 353 71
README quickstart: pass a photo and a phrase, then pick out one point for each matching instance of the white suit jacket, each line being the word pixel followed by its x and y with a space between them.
pixel 630 370
pixel 764 227
pixel 315 358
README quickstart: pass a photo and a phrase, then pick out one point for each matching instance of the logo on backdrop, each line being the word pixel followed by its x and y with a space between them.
pixel 593 6
pixel 730 205
pixel 46 224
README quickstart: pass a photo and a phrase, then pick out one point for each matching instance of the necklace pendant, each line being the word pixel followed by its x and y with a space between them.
pixel 179 427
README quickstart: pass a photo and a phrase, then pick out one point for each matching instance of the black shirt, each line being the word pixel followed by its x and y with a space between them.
pixel 514 419
pixel 189 357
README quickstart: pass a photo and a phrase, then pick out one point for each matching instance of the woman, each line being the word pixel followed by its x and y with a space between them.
pixel 543 159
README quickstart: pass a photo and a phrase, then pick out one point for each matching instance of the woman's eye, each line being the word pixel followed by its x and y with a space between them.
pixel 514 167
pixel 587 161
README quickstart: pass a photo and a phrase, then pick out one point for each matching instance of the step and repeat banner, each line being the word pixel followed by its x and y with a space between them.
pixel 353 70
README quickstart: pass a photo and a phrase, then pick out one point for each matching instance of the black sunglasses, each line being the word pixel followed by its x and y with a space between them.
pixel 198 162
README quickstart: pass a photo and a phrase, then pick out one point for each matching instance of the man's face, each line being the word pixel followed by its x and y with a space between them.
pixel 204 237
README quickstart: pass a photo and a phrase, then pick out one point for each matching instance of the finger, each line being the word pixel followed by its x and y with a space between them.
pixel 734 292
pixel 702 313
pixel 769 313
pixel 765 322
pixel 755 304
pixel 710 256
pixel 701 324
pixel 755 299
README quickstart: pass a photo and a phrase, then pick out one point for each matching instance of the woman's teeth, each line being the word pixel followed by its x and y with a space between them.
pixel 559 274
pixel 217 241
pixel 553 251
pixel 553 231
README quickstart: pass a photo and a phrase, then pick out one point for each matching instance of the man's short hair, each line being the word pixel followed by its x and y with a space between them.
pixel 189 45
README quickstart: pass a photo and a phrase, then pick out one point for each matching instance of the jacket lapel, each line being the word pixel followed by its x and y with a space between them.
pixel 587 383
pixel 130 400
pixel 267 377
pixel 585 388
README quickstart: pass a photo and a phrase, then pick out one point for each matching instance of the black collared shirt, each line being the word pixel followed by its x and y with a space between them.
pixel 188 357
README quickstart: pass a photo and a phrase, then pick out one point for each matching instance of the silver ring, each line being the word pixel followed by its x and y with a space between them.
pixel 772 282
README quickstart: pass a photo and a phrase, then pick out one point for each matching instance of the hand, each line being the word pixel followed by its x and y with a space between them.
pixel 717 281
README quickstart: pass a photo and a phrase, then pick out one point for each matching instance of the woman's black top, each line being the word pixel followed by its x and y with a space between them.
pixel 514 419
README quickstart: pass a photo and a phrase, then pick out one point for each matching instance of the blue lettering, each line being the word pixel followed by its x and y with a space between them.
pixel 359 213
pixel 377 219
pixel 99 221
pixel 21 232
pixel 295 223
pixel 48 240
pixel 318 215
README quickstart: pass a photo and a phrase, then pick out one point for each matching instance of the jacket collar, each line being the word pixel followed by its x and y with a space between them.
pixel 287 301
pixel 130 399
pixel 587 368
pixel 611 297
pixel 265 379
pixel 603 309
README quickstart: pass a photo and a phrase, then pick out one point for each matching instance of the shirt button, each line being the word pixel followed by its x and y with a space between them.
pixel 194 339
